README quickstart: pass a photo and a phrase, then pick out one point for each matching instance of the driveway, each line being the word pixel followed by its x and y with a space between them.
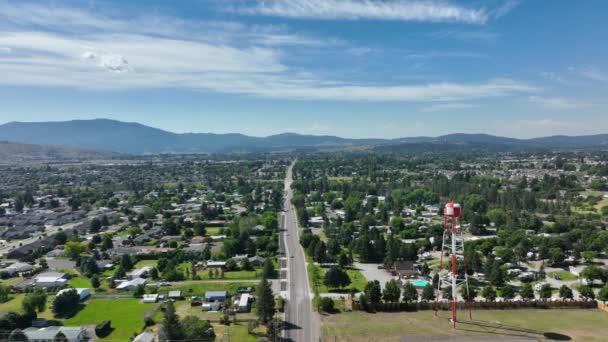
pixel 371 272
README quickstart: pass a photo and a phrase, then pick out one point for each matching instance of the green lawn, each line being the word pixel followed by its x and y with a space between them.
pixel 213 230
pixel 234 275
pixel 316 275
pixel 233 332
pixel 126 316
pixel 143 263
pixel 198 287
pixel 80 282
pixel 564 275
pixel 579 325
pixel 13 304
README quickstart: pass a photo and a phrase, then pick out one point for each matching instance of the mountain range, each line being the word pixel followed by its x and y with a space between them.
pixel 135 138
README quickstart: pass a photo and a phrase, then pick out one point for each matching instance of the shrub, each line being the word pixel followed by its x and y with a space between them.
pixel 327 304
pixel 103 329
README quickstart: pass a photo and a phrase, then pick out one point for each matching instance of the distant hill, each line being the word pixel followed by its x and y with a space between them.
pixel 135 138
pixel 17 152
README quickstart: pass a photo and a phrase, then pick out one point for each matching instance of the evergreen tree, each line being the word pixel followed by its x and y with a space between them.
pixel 410 294
pixel 170 329
pixel 265 301
pixel 391 291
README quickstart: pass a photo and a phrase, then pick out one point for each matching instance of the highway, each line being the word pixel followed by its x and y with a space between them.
pixel 302 323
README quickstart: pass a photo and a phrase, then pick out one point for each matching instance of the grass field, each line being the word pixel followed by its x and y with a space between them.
pixel 80 282
pixel 126 316
pixel 143 263
pixel 564 275
pixel 198 288
pixel 579 325
pixel 234 332
pixel 316 275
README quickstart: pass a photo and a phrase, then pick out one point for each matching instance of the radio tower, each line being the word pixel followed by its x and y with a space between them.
pixel 453 245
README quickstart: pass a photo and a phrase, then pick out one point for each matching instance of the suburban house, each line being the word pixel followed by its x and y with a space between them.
pixel 257 260
pixel 141 272
pixel 174 294
pixel 405 269
pixel 131 284
pixel 244 304
pixel 150 298
pixel 49 334
pixel 51 280
pixel 213 296
pixel 18 267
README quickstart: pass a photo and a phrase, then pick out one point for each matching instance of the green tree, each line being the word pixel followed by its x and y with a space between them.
pixel 588 255
pixel 170 328
pixel 265 301
pixel 327 304
pixel 603 294
pixel 586 292
pixel 65 303
pixel 468 293
pixel 545 292
pixel 410 294
pixel 391 291
pixel 4 292
pixel 195 328
pixel 527 292
pixel 373 292
pixel 268 270
pixel 508 292
pixel 592 273
pixel 95 282
pixel 428 293
pixel 74 249
pixel 336 277
pixel 489 293
pixel 34 302
pixel 565 292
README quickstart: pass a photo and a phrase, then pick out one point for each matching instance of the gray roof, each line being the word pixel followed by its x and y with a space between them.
pixel 144 337
pixel 49 333
pixel 210 294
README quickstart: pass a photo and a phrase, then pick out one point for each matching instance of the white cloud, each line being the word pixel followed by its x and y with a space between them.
pixel 421 11
pixel 556 102
pixel 505 8
pixel 190 56
pixel 110 61
pixel 594 74
pixel 448 107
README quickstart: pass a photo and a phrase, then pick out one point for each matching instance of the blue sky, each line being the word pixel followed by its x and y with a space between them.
pixel 354 68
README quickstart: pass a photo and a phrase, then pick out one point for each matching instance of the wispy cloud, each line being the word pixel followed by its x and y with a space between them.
pixel 551 76
pixel 448 107
pixel 445 54
pixel 121 54
pixel 556 102
pixel 481 36
pixel 421 11
pixel 505 8
pixel 593 73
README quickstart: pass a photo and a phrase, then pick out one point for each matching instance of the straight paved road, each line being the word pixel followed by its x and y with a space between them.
pixel 302 324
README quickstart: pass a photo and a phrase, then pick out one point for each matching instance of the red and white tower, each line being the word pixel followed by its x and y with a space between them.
pixel 453 245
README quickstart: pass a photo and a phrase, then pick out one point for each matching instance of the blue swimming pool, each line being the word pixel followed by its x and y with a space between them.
pixel 418 282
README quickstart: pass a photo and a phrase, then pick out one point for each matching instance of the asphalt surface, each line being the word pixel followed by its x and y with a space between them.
pixel 302 323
